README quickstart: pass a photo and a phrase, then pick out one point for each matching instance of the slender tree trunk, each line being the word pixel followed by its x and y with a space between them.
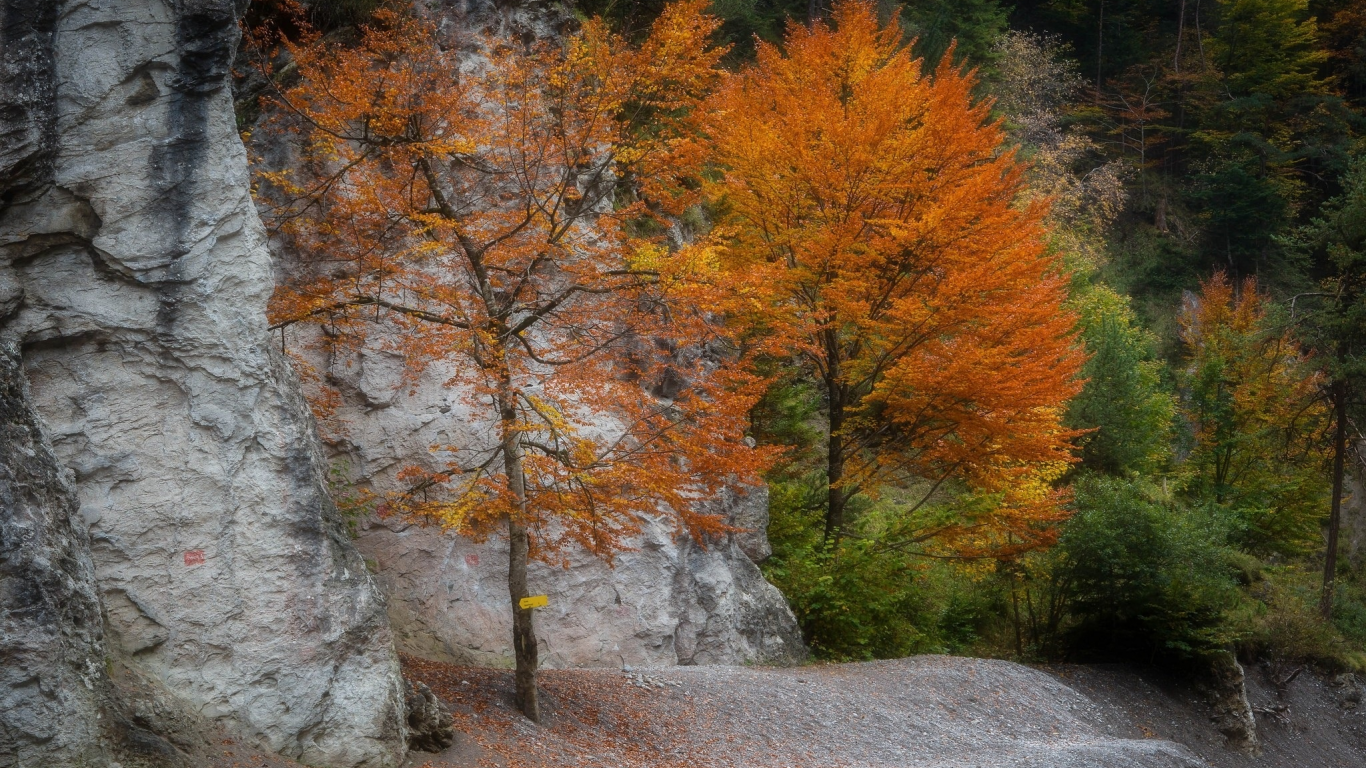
pixel 1015 614
pixel 1330 560
pixel 1100 46
pixel 1172 158
pixel 1200 38
pixel 836 497
pixel 523 630
pixel 834 511
pixel 1180 32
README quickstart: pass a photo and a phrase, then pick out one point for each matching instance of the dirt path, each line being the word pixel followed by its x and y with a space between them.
pixel 925 711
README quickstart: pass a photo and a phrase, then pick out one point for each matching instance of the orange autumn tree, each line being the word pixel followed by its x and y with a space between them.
pixel 477 211
pixel 869 211
pixel 1259 419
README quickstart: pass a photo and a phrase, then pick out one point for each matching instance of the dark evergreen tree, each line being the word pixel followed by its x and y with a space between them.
pixel 1336 326
pixel 972 26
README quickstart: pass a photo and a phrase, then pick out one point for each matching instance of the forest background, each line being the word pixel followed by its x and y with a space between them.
pixel 1207 179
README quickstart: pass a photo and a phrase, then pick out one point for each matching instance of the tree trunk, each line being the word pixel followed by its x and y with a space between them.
pixel 523 631
pixel 1100 46
pixel 1330 559
pixel 836 497
pixel 834 511
pixel 1180 33
pixel 1200 38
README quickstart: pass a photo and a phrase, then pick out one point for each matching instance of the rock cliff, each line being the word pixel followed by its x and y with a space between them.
pixel 133 278
pixel 51 639
pixel 667 601
pixel 171 561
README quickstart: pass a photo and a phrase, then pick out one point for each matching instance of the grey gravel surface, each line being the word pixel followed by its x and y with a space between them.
pixel 922 711
pixel 1313 720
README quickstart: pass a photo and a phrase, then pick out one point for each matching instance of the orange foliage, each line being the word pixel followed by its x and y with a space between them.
pixel 868 211
pixel 1258 414
pixel 473 211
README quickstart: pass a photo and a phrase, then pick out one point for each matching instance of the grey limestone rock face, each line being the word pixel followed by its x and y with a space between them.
pixel 667 600
pixel 59 705
pixel 51 642
pixel 133 277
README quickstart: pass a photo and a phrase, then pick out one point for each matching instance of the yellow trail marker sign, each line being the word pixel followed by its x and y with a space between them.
pixel 535 601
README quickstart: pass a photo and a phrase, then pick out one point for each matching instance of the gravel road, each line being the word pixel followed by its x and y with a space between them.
pixel 940 711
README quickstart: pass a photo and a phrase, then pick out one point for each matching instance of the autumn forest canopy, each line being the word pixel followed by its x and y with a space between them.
pixel 1043 323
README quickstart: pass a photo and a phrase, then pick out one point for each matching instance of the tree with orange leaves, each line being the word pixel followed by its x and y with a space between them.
pixel 1255 405
pixel 478 211
pixel 869 212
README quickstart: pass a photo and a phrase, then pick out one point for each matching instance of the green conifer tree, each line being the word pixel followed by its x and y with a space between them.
pixel 1123 400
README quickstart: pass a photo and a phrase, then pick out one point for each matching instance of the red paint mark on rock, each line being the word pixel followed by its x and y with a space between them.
pixel 471 560
pixel 194 557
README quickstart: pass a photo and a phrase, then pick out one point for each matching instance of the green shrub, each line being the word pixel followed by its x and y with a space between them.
pixel 1349 614
pixel 865 601
pixel 1144 578
pixel 851 603
pixel 1282 620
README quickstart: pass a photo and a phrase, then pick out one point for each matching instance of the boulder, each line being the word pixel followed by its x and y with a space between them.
pixel 1226 691
pixel 429 724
